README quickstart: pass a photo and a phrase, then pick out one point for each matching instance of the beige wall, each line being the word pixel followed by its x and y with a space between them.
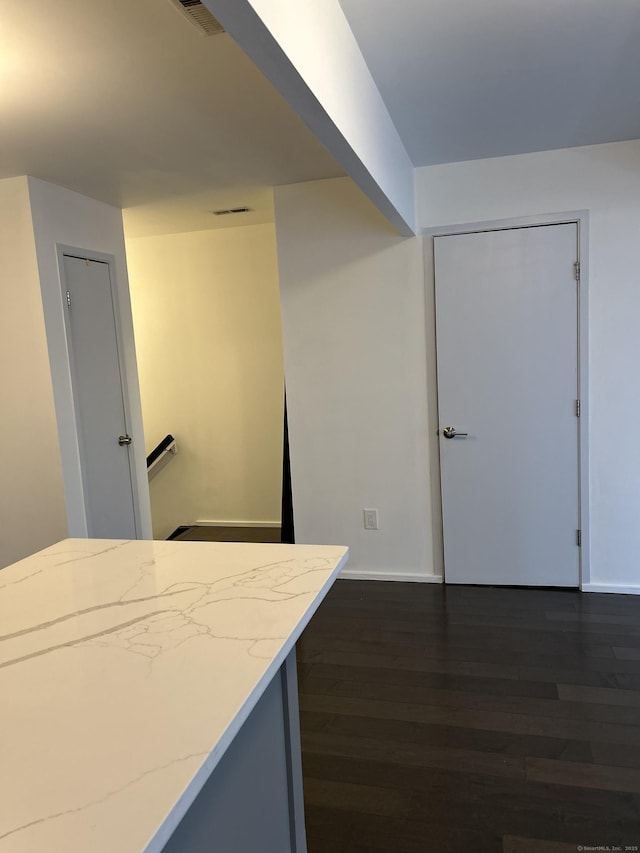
pixel 354 339
pixel 32 508
pixel 208 337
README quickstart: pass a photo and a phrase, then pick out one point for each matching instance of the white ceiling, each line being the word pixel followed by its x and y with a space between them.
pixel 466 79
pixel 125 101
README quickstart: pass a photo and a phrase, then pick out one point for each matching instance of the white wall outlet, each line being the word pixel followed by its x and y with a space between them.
pixel 370 519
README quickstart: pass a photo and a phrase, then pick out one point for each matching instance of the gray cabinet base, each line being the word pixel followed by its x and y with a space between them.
pixel 253 801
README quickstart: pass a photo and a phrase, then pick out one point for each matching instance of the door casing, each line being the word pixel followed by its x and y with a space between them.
pixel 65 405
pixel 581 219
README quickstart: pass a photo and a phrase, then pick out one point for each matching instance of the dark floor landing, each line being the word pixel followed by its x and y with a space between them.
pixel 206 533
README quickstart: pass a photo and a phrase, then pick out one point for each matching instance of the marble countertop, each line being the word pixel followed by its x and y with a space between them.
pixel 126 670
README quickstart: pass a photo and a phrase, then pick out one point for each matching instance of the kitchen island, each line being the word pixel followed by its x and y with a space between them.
pixel 148 696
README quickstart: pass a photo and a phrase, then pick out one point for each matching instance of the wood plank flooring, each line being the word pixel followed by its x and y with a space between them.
pixel 439 719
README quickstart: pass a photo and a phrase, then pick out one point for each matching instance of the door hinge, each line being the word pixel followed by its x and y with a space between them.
pixel 68 300
pixel 578 538
pixel 576 270
pixel 578 408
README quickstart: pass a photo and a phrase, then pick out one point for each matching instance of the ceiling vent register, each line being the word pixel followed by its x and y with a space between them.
pixel 200 16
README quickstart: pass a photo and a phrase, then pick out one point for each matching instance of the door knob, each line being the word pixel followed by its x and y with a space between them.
pixel 450 432
pixel 124 440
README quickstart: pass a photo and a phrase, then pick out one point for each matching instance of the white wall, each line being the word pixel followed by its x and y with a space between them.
pixel 605 179
pixel 353 325
pixel 309 53
pixel 208 334
pixel 61 216
pixel 32 510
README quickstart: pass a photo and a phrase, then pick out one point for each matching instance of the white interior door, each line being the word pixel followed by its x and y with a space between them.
pixel 99 399
pixel 507 347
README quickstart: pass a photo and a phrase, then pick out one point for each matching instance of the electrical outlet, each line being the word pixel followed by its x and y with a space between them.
pixel 370 519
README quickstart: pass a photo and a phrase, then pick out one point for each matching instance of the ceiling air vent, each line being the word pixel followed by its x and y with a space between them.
pixel 228 211
pixel 199 16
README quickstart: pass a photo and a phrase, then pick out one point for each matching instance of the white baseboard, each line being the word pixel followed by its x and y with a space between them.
pixel 209 523
pixel 611 587
pixel 366 575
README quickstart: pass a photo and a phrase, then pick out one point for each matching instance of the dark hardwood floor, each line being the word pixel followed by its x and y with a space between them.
pixel 442 719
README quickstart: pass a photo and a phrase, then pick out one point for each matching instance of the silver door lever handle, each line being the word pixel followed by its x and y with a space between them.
pixel 450 432
pixel 124 440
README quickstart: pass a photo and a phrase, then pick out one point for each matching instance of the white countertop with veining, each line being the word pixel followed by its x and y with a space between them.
pixel 126 670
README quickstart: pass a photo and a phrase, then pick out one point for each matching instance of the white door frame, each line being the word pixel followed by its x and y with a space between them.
pixel 65 405
pixel 581 219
